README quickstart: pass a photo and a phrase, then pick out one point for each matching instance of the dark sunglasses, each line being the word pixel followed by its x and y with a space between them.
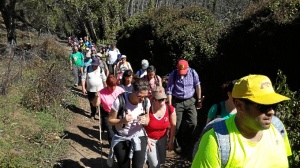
pixel 159 100
pixel 261 107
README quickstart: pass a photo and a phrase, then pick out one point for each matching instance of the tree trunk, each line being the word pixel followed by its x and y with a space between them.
pixel 8 15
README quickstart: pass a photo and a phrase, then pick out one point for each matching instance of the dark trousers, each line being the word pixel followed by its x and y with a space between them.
pixel 105 125
pixel 186 123
pixel 122 150
pixel 111 68
pixel 91 96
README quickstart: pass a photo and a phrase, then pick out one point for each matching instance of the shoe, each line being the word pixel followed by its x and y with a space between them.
pixel 75 85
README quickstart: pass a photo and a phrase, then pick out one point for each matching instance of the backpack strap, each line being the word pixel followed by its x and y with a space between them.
pixel 121 111
pixel 223 139
pixel 144 103
pixel 278 125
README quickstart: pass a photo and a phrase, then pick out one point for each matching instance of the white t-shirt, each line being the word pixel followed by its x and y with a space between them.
pixel 133 127
pixel 94 79
pixel 112 56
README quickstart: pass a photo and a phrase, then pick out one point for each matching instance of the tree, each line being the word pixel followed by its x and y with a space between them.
pixel 7 8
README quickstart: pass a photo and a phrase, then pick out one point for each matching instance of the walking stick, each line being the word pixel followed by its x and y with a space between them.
pixel 100 130
pixel 98 110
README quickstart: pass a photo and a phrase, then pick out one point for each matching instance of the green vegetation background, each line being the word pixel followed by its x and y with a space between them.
pixel 263 39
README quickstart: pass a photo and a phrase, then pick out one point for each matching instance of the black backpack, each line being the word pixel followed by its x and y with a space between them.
pixel 122 109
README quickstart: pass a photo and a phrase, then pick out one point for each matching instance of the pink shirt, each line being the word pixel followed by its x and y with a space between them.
pixel 107 97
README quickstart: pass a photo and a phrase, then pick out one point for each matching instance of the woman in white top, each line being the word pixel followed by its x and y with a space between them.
pixel 92 80
pixel 122 66
pixel 130 139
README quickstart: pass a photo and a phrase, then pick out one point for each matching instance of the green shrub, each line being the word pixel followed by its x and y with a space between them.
pixel 165 35
pixel 289 113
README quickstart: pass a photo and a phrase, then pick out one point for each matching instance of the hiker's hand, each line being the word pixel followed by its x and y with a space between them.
pixel 170 145
pixel 127 118
pixel 85 92
pixel 71 67
pixel 142 119
pixel 150 144
pixel 199 106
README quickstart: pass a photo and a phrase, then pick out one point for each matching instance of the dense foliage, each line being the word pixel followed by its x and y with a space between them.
pixel 165 35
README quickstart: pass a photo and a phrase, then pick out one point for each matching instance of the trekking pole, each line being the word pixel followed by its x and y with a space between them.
pixel 98 110
pixel 100 130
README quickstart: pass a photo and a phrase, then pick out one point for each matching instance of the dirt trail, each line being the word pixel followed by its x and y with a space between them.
pixel 83 137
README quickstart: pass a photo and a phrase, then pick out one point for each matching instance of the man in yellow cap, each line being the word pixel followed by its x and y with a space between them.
pixel 254 139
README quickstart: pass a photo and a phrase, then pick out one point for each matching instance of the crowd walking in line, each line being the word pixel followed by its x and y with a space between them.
pixel 144 114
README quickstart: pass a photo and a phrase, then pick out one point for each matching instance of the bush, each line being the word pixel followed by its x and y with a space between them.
pixel 289 113
pixel 165 35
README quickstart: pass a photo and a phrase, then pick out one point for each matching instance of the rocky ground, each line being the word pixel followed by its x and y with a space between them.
pixel 85 149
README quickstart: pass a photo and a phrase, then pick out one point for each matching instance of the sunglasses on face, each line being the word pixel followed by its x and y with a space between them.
pixel 261 107
pixel 159 100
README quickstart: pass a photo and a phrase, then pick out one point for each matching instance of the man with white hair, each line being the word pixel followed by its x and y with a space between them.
pixel 142 72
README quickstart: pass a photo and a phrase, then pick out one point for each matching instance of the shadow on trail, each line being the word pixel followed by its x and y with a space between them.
pixel 77 110
pixel 95 134
pixel 97 162
pixel 67 163
pixel 78 92
pixel 93 145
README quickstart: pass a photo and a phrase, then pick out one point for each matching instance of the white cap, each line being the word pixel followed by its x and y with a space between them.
pixel 145 64
pixel 123 56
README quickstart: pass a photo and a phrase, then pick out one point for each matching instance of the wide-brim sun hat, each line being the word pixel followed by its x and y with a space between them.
pixel 257 88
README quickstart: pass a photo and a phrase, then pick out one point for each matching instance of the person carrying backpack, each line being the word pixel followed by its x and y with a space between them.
pixel 153 78
pixel 92 81
pixel 130 139
pixel 142 72
pixel 182 84
pixel 106 97
pixel 161 128
pixel 223 109
pixel 253 137
pixel 122 66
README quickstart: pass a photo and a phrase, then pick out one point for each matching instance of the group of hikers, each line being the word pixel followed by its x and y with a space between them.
pixel 145 115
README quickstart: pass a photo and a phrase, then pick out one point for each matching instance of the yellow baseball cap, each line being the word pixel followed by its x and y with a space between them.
pixel 257 88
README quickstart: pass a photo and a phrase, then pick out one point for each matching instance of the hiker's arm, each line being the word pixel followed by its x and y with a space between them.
pixel 169 98
pixel 170 87
pixel 113 115
pixel 83 80
pixel 172 131
pixel 198 91
pixel 106 69
pixel 212 113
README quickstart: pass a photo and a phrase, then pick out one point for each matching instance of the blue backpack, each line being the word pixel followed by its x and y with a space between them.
pixel 223 138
